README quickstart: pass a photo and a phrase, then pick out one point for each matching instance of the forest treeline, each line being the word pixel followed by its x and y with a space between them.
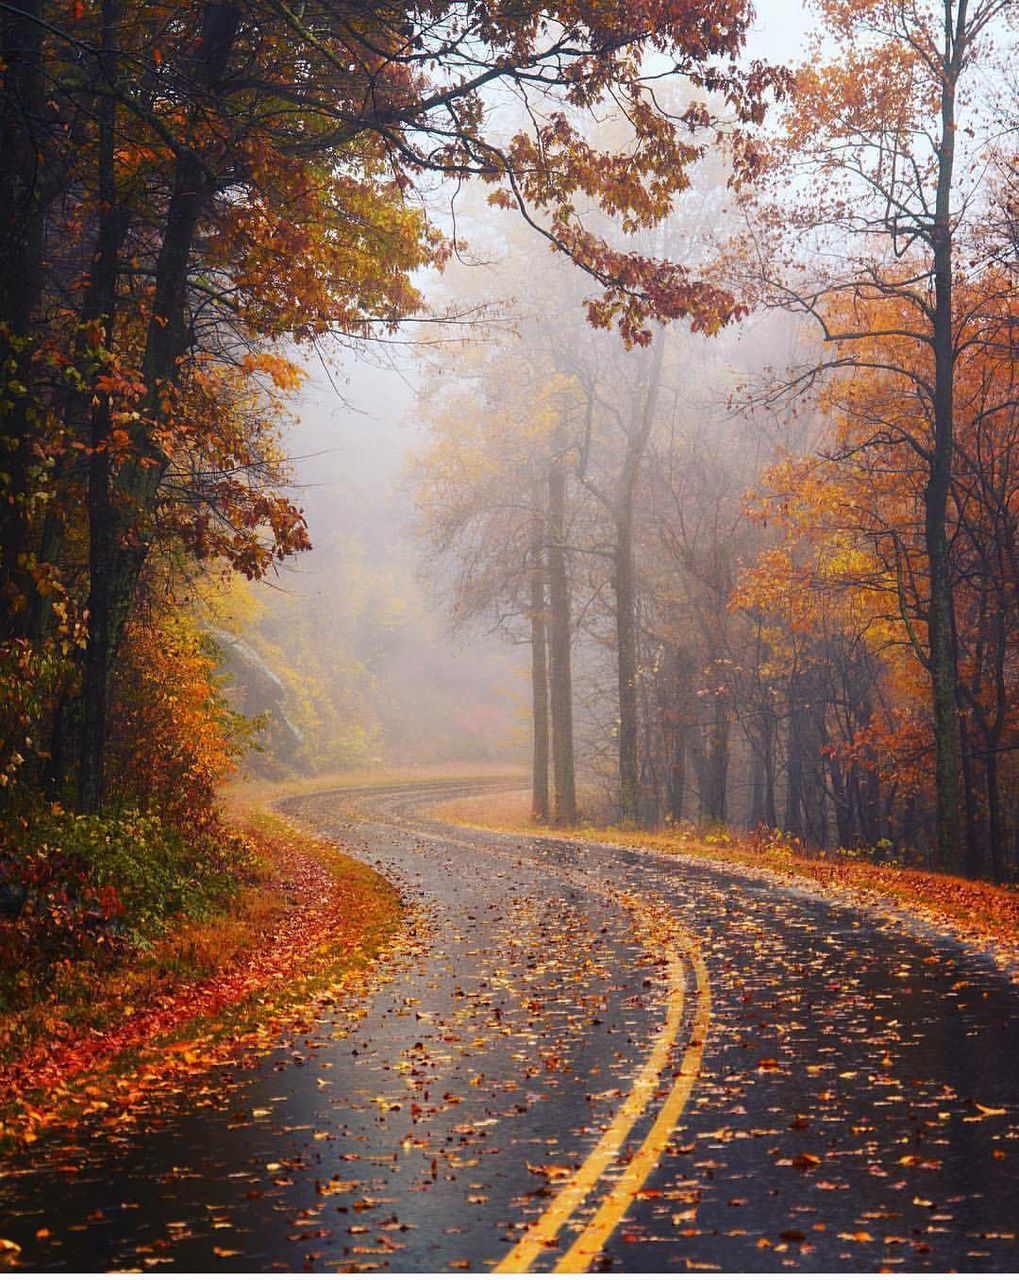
pixel 768 576
pixel 193 198
pixel 196 197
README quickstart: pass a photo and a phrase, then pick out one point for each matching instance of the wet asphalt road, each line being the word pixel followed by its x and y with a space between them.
pixel 857 1107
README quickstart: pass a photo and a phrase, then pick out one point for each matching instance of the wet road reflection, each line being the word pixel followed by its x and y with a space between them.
pixel 857 1106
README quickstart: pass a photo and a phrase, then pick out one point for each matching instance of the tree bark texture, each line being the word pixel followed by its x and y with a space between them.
pixel 539 686
pixel 560 639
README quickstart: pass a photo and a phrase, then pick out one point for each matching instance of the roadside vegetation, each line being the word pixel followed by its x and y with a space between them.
pixel 221 970
pixel 982 916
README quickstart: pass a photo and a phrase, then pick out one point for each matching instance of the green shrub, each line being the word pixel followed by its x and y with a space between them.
pixel 85 888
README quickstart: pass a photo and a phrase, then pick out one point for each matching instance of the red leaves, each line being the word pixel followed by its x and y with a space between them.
pixel 638 289
pixel 323 919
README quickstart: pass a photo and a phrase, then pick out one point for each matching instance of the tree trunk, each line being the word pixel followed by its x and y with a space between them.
pixel 971 853
pixel 677 781
pixel 560 636
pixel 813 737
pixel 939 617
pixel 672 692
pixel 793 821
pixel 626 666
pixel 105 271
pixel 539 687
pixel 994 814
pixel 625 581
pixel 842 790
pixel 120 539
pixel 762 774
pixel 717 764
pixel 22 215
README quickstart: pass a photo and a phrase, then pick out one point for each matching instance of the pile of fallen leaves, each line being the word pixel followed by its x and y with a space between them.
pixel 984 915
pixel 316 916
pixel 981 915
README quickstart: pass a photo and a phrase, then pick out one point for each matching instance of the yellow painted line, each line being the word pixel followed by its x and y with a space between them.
pixel 542 1232
pixel 589 1243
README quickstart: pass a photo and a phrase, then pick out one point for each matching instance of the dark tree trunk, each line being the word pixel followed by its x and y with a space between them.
pixel 868 805
pixel 716 772
pixel 971 858
pixel 626 666
pixel 813 738
pixel 120 538
pixel 23 196
pixel 539 686
pixel 677 783
pixel 560 639
pixel 762 774
pixel 625 582
pixel 939 618
pixel 842 791
pixel 994 814
pixel 672 692
pixel 793 820
pixel 105 272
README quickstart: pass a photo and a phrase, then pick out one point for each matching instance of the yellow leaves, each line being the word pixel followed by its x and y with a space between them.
pixel 985 1113
pixel 553 1172
pixel 336 1186
pixel 285 374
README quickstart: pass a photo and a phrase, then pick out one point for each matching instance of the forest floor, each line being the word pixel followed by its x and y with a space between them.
pixel 207 992
pixel 983 917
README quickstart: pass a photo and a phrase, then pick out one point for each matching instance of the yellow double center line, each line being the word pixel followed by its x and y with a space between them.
pixel 542 1234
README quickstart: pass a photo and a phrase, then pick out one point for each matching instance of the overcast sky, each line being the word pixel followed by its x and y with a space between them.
pixel 779 30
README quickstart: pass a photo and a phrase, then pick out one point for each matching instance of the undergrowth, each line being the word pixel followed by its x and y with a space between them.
pixel 84 898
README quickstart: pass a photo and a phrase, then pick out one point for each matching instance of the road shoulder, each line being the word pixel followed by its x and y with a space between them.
pixel 982 918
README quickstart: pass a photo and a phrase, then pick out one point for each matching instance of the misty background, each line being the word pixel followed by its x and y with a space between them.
pixel 349 654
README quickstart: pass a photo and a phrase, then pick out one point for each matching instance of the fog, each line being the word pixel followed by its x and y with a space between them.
pixel 352 655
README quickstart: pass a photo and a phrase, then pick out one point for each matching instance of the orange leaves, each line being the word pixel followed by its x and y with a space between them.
pixel 316 916
pixel 553 1172
pixel 174 740
pixel 284 374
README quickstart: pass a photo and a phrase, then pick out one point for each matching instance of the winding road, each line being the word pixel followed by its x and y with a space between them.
pixel 581 1058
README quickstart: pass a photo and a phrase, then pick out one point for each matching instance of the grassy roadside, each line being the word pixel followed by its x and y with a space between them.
pixel 981 915
pixel 308 922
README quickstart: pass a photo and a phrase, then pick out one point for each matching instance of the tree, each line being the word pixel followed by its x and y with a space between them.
pixel 491 491
pixel 190 180
pixel 882 136
pixel 853 528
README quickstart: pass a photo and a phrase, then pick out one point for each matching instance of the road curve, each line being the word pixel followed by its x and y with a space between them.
pixel 585 1058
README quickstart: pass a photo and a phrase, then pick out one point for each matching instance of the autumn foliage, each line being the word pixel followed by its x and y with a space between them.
pixel 192 198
